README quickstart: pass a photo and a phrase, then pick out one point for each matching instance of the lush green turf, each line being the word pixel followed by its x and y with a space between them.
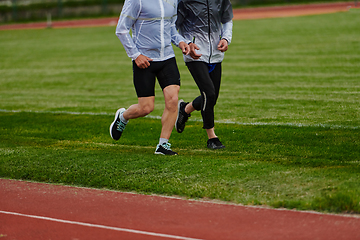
pixel 279 74
pixel 307 168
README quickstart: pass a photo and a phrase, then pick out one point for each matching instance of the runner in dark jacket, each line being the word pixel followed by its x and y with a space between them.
pixel 207 24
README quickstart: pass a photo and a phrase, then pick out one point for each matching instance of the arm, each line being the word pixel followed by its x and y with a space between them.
pixel 177 39
pixel 180 14
pixel 128 16
pixel 226 31
pixel 226 36
pixel 227 24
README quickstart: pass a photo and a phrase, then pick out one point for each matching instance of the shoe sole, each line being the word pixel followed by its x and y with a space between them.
pixel 112 124
pixel 216 148
pixel 177 118
pixel 221 147
pixel 159 153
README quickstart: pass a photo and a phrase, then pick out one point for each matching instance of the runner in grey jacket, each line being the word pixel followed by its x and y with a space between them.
pixel 208 25
pixel 205 23
pixel 153 30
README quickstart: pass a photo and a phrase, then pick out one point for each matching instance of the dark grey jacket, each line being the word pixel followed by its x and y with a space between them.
pixel 205 22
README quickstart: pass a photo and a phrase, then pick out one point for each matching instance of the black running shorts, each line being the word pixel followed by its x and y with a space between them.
pixel 166 72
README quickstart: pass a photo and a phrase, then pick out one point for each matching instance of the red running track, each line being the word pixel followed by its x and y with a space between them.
pixel 36 211
pixel 294 10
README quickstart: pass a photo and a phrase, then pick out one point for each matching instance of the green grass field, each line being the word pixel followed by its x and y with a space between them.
pixel 288 113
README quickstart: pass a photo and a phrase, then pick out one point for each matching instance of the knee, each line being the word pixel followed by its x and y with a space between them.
pixel 171 97
pixel 144 108
pixel 172 101
pixel 209 98
pixel 147 109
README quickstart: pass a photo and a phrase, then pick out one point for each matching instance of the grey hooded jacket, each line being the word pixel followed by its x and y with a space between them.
pixel 153 28
pixel 205 22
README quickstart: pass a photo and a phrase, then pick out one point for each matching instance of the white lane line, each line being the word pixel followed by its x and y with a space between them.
pixel 99 226
pixel 194 120
pixel 57 112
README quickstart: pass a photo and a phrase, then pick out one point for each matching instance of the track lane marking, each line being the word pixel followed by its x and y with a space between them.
pixel 100 226
pixel 281 124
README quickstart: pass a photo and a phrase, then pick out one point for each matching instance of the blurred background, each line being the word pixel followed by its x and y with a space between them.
pixel 40 10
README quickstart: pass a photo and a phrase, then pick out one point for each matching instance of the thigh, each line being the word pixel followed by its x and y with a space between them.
pixel 168 74
pixel 215 76
pixel 144 81
pixel 200 73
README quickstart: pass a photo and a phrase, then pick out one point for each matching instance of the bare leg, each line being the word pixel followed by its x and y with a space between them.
pixel 170 112
pixel 144 106
pixel 211 133
pixel 189 108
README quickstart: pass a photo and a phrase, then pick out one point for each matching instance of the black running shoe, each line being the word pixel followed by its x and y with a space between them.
pixel 117 126
pixel 182 116
pixel 214 143
pixel 164 149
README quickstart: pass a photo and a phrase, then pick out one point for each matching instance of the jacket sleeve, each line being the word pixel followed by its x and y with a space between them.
pixel 180 14
pixel 128 17
pixel 226 20
pixel 176 38
pixel 226 31
pixel 226 12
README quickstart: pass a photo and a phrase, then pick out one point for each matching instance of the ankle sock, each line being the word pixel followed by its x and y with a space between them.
pixel 163 140
pixel 123 119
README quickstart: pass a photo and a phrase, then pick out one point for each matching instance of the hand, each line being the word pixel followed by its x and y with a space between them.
pixel 143 61
pixel 223 45
pixel 184 48
pixel 193 48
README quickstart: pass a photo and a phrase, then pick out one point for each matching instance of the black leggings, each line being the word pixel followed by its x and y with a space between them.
pixel 209 86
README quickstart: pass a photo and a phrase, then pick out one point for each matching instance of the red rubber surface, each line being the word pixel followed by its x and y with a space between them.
pixel 153 215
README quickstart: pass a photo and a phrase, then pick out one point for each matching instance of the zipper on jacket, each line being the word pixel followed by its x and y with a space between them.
pixel 162 11
pixel 209 32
